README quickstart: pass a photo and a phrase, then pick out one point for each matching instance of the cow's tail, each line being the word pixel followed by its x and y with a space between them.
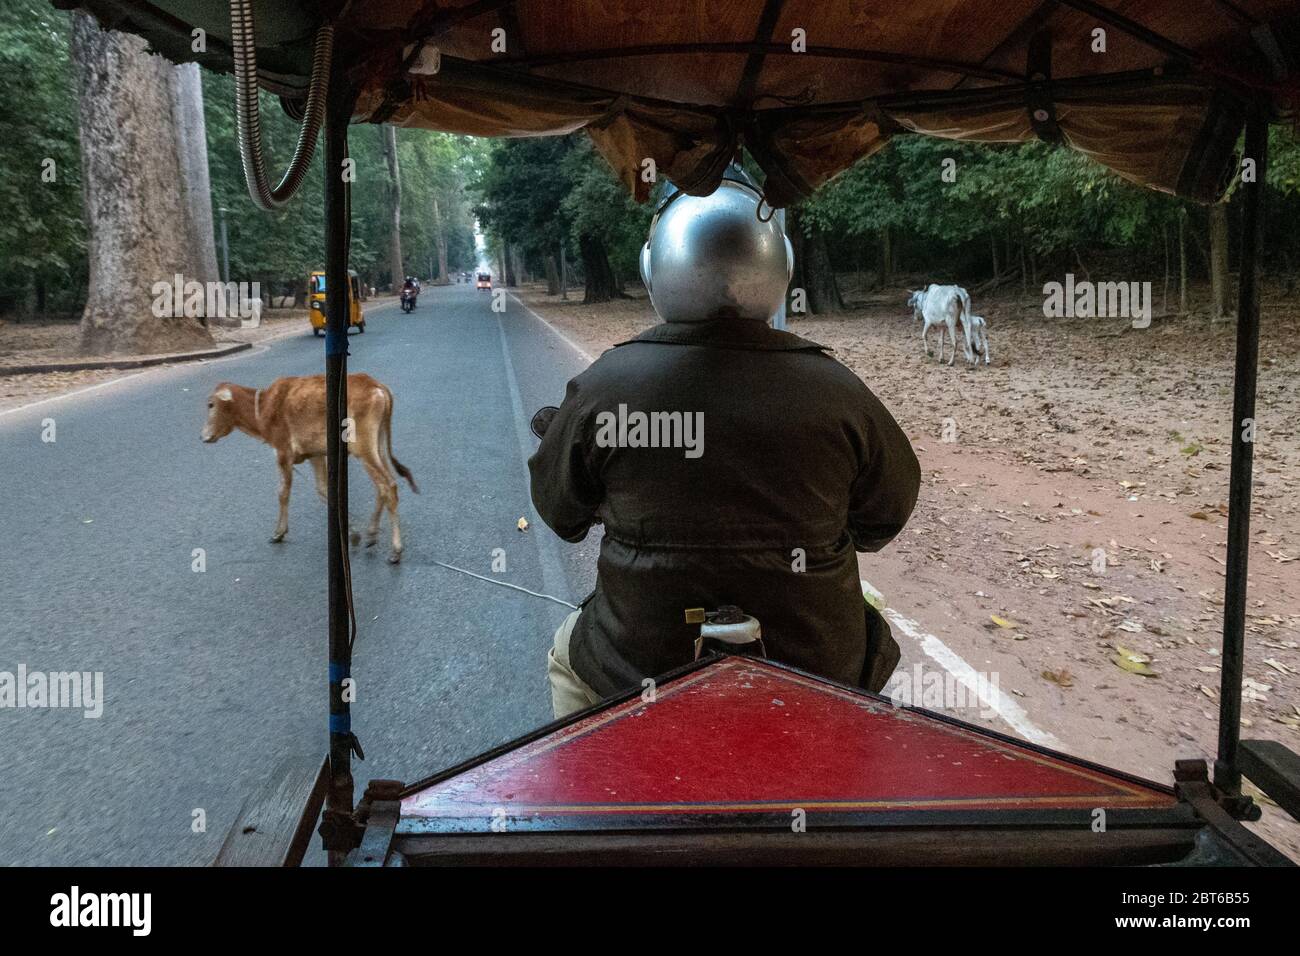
pixel 388 446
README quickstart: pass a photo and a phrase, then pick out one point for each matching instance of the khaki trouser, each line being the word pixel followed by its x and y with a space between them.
pixel 568 691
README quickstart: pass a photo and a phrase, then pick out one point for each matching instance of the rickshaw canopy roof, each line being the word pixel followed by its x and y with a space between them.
pixel 808 87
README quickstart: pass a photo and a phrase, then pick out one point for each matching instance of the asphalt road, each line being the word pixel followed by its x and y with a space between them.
pixel 210 678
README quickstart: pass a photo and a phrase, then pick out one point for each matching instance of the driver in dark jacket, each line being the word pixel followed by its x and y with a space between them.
pixel 731 463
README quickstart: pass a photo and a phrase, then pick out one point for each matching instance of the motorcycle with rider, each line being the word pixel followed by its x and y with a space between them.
pixel 410 293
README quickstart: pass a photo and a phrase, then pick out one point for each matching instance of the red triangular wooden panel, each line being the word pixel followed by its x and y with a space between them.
pixel 744 736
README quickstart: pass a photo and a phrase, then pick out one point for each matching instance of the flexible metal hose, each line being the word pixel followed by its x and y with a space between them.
pixel 248 119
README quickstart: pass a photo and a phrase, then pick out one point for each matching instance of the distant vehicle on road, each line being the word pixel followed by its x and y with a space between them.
pixel 484 281
pixel 410 293
pixel 316 286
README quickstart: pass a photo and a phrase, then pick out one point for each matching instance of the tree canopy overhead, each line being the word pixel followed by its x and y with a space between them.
pixel 920 206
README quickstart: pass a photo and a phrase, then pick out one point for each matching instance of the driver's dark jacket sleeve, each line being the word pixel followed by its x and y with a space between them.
pixel 877 512
pixel 801 467
pixel 573 492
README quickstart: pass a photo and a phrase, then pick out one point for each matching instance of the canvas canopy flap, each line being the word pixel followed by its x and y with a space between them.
pixel 1172 134
pixel 1150 88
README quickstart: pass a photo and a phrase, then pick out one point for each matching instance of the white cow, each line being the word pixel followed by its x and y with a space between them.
pixel 979 335
pixel 944 306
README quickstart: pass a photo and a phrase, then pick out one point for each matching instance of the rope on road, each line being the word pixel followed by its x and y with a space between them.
pixel 505 584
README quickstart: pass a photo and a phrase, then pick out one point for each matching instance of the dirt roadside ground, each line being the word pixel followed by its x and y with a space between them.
pixel 1081 435
pixel 1073 503
pixel 33 343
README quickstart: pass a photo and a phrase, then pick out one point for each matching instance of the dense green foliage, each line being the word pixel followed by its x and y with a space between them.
pixel 539 193
pixel 1051 203
pixel 43 236
pixel 281 248
pixel 42 239
pixel 600 206
pixel 1036 207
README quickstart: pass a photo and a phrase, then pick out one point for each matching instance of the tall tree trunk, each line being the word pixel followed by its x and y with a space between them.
pixel 812 269
pixel 1182 261
pixel 595 263
pixel 133 199
pixel 552 278
pixel 509 258
pixel 564 273
pixel 388 137
pixel 192 151
pixel 1164 305
pixel 1082 267
pixel 1220 307
pixel 1201 250
pixel 440 240
pixel 886 257
pixel 1024 268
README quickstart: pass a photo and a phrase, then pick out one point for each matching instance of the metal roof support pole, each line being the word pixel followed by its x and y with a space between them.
pixel 1227 774
pixel 338 227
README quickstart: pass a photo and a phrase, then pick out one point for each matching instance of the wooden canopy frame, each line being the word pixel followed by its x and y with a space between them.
pixel 1162 107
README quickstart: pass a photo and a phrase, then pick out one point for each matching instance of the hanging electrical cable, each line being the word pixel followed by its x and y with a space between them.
pixel 248 118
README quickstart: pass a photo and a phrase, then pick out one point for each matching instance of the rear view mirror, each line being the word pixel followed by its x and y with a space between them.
pixel 542 420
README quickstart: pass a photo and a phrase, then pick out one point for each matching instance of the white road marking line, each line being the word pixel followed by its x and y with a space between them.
pixel 1012 713
pixel 567 341
pixel 553 578
pixel 79 391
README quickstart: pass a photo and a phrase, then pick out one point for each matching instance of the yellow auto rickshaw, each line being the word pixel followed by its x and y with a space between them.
pixel 316 288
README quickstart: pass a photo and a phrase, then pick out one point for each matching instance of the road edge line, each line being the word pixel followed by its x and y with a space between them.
pixel 1007 709
pixel 125 364
pixel 564 338
pixel 254 348
pixel 554 580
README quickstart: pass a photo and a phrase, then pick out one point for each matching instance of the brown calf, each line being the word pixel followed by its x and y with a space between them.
pixel 289 415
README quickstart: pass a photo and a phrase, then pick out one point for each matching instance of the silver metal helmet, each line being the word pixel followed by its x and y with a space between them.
pixel 714 256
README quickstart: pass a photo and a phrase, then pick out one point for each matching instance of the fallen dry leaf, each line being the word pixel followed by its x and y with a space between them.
pixel 1061 678
pixel 1132 662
